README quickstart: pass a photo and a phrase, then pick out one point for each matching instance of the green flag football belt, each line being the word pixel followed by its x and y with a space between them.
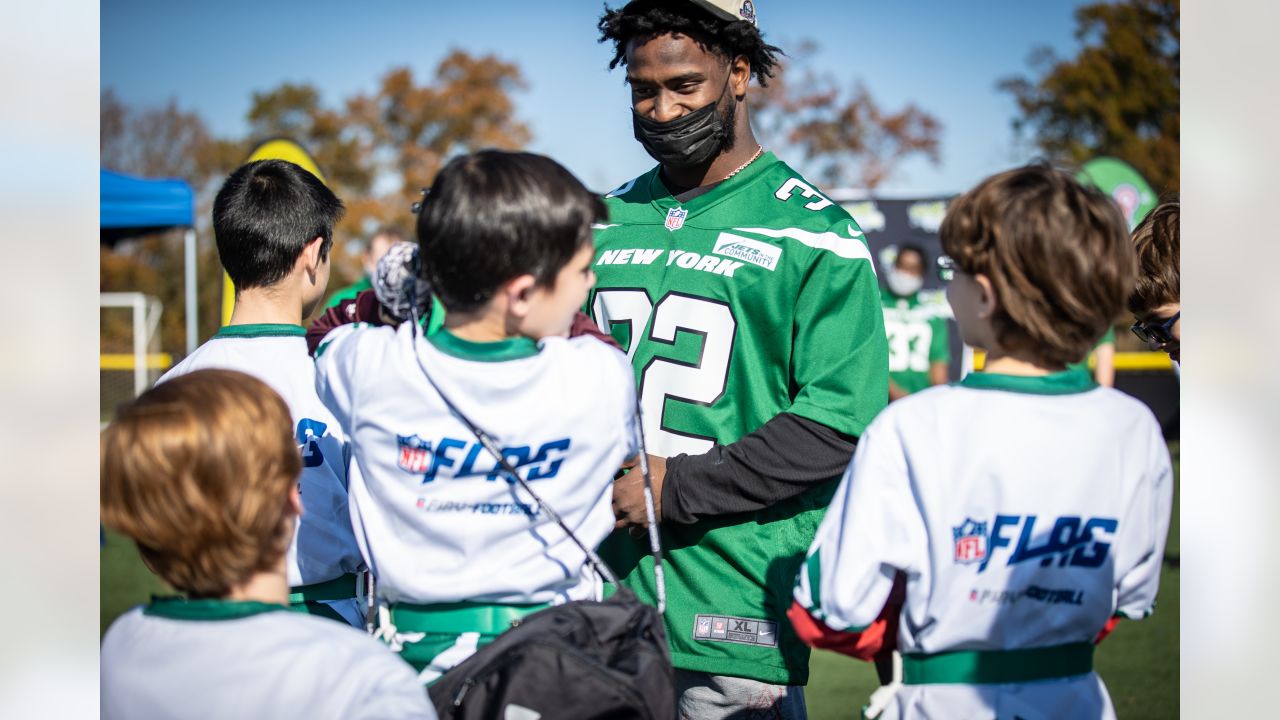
pixel 995 667
pixel 344 587
pixel 460 617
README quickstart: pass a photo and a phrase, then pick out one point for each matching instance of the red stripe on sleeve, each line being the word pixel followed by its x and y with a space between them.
pixel 878 639
pixel 865 645
pixel 1106 629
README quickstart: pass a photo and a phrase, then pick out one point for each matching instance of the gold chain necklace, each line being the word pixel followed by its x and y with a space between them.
pixel 743 166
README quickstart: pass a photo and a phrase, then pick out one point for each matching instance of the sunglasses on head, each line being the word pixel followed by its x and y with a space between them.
pixel 1160 331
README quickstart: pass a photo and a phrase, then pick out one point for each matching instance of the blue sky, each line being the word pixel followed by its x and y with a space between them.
pixel 945 56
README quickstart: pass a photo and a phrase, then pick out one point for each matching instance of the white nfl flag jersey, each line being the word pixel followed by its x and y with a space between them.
pixel 1024 513
pixel 324 547
pixel 218 659
pixel 434 517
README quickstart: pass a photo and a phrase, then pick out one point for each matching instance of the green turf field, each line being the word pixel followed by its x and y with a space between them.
pixel 124 581
pixel 1139 661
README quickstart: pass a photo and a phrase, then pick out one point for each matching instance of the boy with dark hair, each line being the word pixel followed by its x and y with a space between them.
pixel 273 222
pixel 1155 301
pixel 265 216
pixel 966 533
pixel 458 551
pixel 918 352
pixel 748 303
pixel 202 472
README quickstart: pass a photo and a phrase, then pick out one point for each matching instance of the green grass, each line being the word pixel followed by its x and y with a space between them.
pixel 124 580
pixel 1138 662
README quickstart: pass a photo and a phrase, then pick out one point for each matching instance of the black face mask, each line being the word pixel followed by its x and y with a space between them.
pixel 689 141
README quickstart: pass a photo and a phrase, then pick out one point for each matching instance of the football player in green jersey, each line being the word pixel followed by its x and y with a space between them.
pixel 748 304
pixel 918 353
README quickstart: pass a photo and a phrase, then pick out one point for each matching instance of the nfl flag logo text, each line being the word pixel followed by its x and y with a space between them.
pixel 971 541
pixel 415 453
pixel 675 218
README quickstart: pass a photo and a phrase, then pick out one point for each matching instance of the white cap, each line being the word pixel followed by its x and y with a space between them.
pixel 730 10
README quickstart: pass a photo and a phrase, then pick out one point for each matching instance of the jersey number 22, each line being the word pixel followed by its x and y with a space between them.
pixel 701 382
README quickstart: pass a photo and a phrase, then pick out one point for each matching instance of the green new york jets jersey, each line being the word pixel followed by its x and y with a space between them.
pixel 917 339
pixel 756 298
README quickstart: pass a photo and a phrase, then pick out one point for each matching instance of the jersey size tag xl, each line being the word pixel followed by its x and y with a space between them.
pixel 726 628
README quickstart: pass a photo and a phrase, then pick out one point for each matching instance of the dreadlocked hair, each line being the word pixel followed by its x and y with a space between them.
pixel 650 18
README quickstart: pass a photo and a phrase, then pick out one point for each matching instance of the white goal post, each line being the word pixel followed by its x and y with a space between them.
pixel 146 319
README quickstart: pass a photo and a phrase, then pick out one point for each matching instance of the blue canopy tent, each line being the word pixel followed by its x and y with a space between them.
pixel 132 206
pixel 135 206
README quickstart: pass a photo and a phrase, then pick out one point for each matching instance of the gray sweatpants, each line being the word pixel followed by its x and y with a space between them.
pixel 702 696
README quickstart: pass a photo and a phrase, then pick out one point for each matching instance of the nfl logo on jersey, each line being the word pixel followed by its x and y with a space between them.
pixel 971 541
pixel 415 453
pixel 675 218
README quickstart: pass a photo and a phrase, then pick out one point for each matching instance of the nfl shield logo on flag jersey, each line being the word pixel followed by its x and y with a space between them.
pixel 971 541
pixel 415 453
pixel 675 218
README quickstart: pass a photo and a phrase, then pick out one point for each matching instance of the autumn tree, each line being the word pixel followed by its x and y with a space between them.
pixel 398 136
pixel 162 142
pixel 172 143
pixel 468 107
pixel 295 112
pixel 376 151
pixel 841 131
pixel 1119 96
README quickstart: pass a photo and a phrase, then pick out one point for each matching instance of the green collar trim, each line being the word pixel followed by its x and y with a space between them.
pixel 499 351
pixel 257 330
pixel 1067 382
pixel 176 608
pixel 665 200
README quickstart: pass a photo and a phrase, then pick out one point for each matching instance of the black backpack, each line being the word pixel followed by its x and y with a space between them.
pixel 578 660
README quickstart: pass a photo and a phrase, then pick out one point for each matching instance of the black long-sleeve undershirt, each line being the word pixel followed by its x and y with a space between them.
pixel 783 458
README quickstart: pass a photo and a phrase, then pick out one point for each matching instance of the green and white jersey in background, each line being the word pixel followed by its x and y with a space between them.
pixel 756 298
pixel 1083 366
pixel 917 339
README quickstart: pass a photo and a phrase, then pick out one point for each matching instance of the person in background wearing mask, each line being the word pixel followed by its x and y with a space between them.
pixel 379 243
pixel 918 353
pixel 747 303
